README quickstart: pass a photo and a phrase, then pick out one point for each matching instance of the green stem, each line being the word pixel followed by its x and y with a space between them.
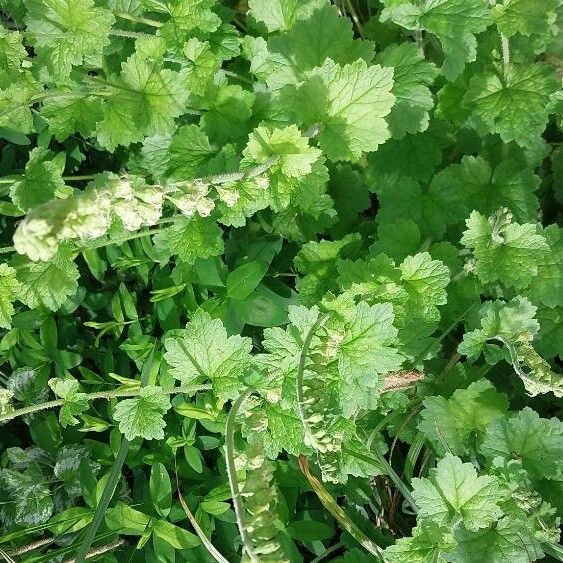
pixel 397 481
pixel 138 19
pixel 232 475
pixel 130 34
pixel 7 249
pixel 107 395
pixel 113 478
pixel 553 549
pixel 337 512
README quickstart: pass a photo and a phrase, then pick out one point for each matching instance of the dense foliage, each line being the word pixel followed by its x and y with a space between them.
pixel 281 280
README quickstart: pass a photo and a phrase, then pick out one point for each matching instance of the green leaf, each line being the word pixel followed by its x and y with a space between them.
pixel 286 58
pixel 291 155
pixel 473 185
pixel 452 424
pixel 32 500
pixel 453 492
pixel 12 53
pixel 9 290
pixel 281 15
pixel 504 251
pixel 144 100
pixel 126 520
pixel 67 33
pixel 175 536
pixel 47 284
pixel 412 76
pixel 499 319
pixel 547 287
pixel 40 182
pixel 515 107
pixel 160 489
pixel 75 402
pixel 203 351
pixel 190 239
pixel 143 415
pixel 316 260
pixel 366 352
pixel 349 103
pixel 429 544
pixel 454 22
pixel 74 113
pixel 242 281
pixel 508 540
pixel 537 442
pixel 526 17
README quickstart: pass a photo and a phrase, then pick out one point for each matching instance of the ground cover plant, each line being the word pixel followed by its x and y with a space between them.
pixel 281 280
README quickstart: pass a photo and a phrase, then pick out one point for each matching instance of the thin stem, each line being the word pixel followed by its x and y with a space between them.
pixel 107 395
pixel 397 481
pixel 30 546
pixel 328 552
pixel 79 178
pixel 121 240
pixel 332 506
pixel 211 549
pixel 232 475
pixel 419 41
pixel 99 550
pixel 505 47
pixel 7 249
pixel 130 34
pixel 355 18
pixel 113 478
pixel 138 19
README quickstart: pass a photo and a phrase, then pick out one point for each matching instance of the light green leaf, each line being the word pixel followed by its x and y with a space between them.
pixel 286 58
pixel 454 22
pixel 203 351
pixel 349 103
pixel 142 416
pixel 537 442
pixel 452 424
pixel 66 32
pixel 145 99
pixel 9 290
pixel 504 251
pixel 190 239
pixel 453 492
pixel 292 158
pixel 528 17
pixel 412 76
pixel 515 107
pixel 47 284
pixel 281 15
pixel 41 180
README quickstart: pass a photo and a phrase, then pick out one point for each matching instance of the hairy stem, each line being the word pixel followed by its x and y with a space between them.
pixel 138 19
pixel 100 550
pixel 107 395
pixel 232 475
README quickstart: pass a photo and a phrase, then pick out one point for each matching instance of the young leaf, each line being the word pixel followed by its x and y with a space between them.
pixel 504 251
pixel 454 22
pixel 203 351
pixel 453 492
pixel 537 442
pixel 9 289
pixel 349 103
pixel 143 415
